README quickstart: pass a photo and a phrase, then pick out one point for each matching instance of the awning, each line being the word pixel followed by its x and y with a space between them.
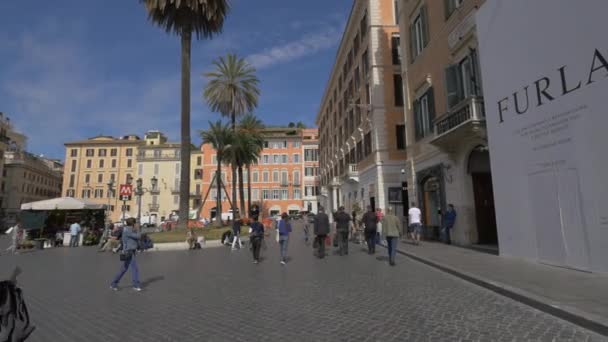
pixel 63 203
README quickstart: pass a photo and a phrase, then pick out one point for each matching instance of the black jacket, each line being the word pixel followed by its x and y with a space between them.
pixel 321 224
pixel 370 220
pixel 342 221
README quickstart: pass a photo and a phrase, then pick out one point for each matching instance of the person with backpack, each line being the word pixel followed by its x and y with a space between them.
pixel 284 229
pixel 130 244
pixel 370 220
pixel 342 228
pixel 256 237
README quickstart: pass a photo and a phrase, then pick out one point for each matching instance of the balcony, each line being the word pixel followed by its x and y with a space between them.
pixel 162 157
pixel 464 121
pixel 154 191
pixel 153 207
pixel 351 174
pixel 284 183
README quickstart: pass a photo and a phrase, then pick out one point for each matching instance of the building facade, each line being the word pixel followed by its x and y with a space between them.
pixel 157 158
pixel 448 159
pixel 361 121
pixel 27 178
pixel 95 168
pixel 278 183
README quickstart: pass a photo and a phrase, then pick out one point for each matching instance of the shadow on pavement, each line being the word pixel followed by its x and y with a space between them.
pixel 149 281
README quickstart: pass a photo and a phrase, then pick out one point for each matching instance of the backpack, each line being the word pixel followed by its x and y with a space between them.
pixel 15 319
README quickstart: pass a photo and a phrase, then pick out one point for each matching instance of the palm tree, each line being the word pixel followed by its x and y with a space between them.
pixel 253 127
pixel 233 91
pixel 205 18
pixel 240 152
pixel 220 136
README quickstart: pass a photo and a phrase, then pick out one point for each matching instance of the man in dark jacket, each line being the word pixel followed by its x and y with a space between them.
pixel 321 229
pixel 342 228
pixel 370 220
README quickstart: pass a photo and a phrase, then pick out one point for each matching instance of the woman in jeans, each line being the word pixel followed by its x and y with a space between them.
pixel 283 230
pixel 256 236
pixel 130 242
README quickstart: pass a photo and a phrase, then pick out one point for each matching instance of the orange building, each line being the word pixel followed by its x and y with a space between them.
pixel 278 181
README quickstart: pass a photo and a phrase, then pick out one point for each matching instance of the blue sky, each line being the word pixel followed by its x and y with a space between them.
pixel 72 69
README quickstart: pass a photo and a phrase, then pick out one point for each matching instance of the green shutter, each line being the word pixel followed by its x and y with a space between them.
pixel 417 120
pixel 425 25
pixel 430 94
pixel 453 85
pixel 412 44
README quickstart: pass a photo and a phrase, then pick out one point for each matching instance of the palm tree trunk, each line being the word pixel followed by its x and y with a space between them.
pixel 248 189
pixel 218 202
pixel 184 186
pixel 242 193
pixel 234 216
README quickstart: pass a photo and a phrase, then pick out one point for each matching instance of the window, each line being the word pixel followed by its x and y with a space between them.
pixel 176 200
pixel 265 144
pixel 367 144
pixel 284 194
pixel 113 152
pixel 90 152
pixel 87 178
pixel 198 189
pixel 113 163
pixel 255 194
pixel 284 159
pixel 396 11
pixel 276 158
pixel 365 64
pixel 297 194
pixel 213 194
pixel 284 177
pixel 276 194
pixel 129 163
pixel 255 176
pixel 89 163
pixel 198 174
pixel 296 158
pixel 100 178
pixel 419 33
pixel 275 176
pixel 199 161
pixel 309 191
pixel 265 194
pixel 396 49
pixel 265 159
pixel 72 180
pixel 296 144
pixel 398 89
pixel 309 171
pixel 73 166
pixel 265 176
pixel 296 178
pixel 400 134
pixel 86 193
pixel 101 163
pixel 73 152
pixel 140 169
pixel 98 193
pixel 129 152
pixel 462 80
pixel 214 159
pixel 311 155
pixel 363 25
pixel 157 153
pixel 113 177
pixel 424 114
pixel 451 6
pixel 70 193
pixel 156 169
pixel 102 152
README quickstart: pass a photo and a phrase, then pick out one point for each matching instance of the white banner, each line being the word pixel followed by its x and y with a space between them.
pixel 544 65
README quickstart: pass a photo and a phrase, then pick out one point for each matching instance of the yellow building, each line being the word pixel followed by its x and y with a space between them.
pixel 157 158
pixel 90 165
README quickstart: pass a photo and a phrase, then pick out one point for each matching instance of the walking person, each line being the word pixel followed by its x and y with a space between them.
pixel 130 242
pixel 370 221
pixel 236 233
pixel 284 229
pixel 449 219
pixel 391 231
pixel 415 221
pixel 321 230
pixel 342 228
pixel 256 237
pixel 379 216
pixel 74 234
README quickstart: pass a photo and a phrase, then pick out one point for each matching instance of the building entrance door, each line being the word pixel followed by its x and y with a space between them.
pixel 431 214
pixel 484 209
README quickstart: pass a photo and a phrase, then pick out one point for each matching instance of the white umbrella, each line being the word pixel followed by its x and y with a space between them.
pixel 62 203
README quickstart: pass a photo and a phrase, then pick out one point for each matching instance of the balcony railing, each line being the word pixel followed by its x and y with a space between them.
pixel 284 183
pixel 352 173
pixel 154 191
pixel 153 207
pixel 146 157
pixel 470 109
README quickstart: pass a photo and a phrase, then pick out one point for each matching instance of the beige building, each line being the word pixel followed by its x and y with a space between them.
pixel 361 121
pixel 90 165
pixel 157 158
pixel 448 159
pixel 27 178
pixel 4 143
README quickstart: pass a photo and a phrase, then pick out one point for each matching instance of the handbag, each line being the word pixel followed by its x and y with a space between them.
pixel 125 255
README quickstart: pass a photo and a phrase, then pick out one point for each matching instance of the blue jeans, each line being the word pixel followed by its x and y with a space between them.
pixel 283 242
pixel 130 262
pixel 74 240
pixel 392 247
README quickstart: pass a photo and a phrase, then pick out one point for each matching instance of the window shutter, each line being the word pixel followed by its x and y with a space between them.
pixel 412 44
pixel 425 25
pixel 449 8
pixel 417 120
pixel 453 85
pixel 430 95
pixel 476 79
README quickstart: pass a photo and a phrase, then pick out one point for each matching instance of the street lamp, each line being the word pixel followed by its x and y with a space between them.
pixel 110 189
pixel 140 190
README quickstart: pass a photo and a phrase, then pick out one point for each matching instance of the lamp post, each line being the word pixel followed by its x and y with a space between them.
pixel 124 202
pixel 140 190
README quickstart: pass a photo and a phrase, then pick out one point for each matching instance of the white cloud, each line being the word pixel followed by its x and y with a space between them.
pixel 307 45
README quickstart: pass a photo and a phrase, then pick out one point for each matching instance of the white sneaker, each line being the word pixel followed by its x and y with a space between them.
pixel 137 289
pixel 113 288
pixel 282 262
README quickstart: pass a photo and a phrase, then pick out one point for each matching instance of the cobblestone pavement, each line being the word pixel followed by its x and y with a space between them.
pixel 219 295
